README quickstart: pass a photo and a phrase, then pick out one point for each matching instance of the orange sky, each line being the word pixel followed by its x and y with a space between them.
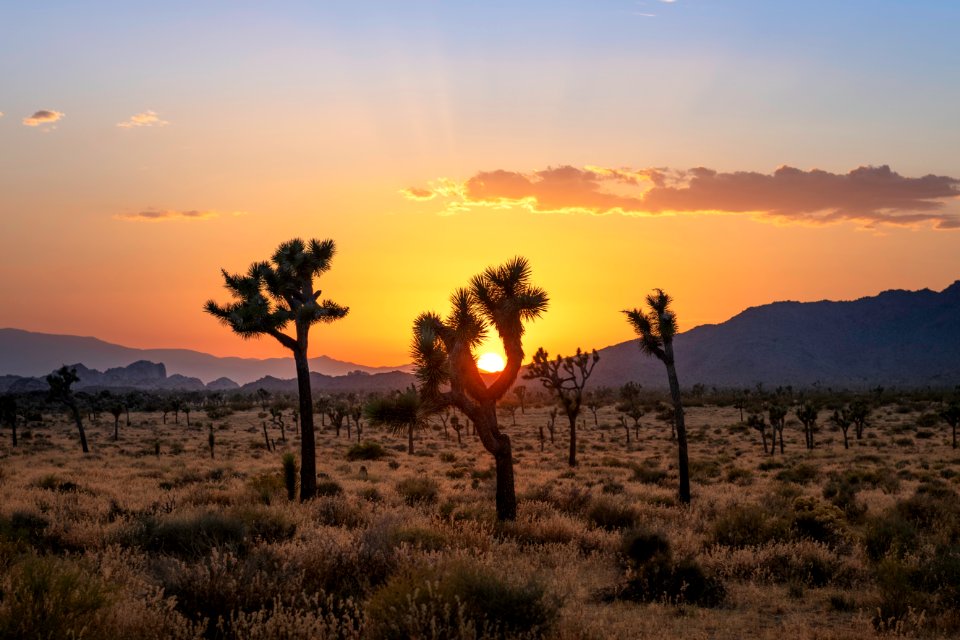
pixel 266 123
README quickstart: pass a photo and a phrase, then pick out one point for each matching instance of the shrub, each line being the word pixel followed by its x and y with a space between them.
pixel 366 451
pixel 648 474
pixel 611 514
pixel 328 488
pixel 747 526
pixel 802 473
pixel 818 521
pixel 418 490
pixel 653 574
pixel 193 536
pixel 49 597
pixel 460 599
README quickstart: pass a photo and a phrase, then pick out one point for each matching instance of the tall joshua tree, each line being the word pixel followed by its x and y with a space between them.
pixel 500 297
pixel 271 296
pixel 60 382
pixel 656 329
pixel 565 378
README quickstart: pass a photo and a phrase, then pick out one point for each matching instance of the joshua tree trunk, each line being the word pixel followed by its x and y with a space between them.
pixel 308 453
pixel 683 465
pixel 410 439
pixel 498 444
pixel 79 420
pixel 572 455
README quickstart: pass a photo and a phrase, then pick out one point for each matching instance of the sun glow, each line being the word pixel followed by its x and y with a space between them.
pixel 491 362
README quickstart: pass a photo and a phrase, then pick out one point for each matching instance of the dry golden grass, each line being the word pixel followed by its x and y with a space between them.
pixel 179 545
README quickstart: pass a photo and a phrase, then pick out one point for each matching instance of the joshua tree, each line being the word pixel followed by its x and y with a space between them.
pixel 631 405
pixel 8 415
pixel 842 418
pixel 778 418
pixel 323 406
pixel 271 296
pixel 211 441
pixel 551 424
pixel 859 413
pixel 594 403
pixel 356 412
pixel 399 411
pixel 455 423
pixel 263 396
pixel 656 329
pixel 950 415
pixel 807 414
pixel 565 378
pixel 509 406
pixel 521 392
pixel 337 411
pixel 501 297
pixel 756 421
pixel 116 410
pixel 276 417
pixel 60 382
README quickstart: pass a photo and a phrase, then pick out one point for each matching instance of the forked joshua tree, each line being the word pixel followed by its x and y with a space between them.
pixel 500 297
pixel 656 329
pixel 60 382
pixel 565 378
pixel 271 296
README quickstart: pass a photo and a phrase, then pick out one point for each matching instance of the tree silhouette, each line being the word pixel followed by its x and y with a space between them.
pixel 565 378
pixel 843 419
pixel 807 414
pixel 656 329
pixel 778 418
pixel 500 297
pixel 60 382
pixel 521 392
pixel 950 415
pixel 400 412
pixel 271 296
pixel 8 414
pixel 631 405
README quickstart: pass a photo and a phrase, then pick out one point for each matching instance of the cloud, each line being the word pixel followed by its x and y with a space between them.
pixel 42 117
pixel 869 195
pixel 416 193
pixel 160 215
pixel 145 119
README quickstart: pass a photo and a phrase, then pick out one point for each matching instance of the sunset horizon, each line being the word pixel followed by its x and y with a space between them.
pixel 732 155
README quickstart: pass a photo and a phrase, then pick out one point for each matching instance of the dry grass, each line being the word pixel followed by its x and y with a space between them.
pixel 128 544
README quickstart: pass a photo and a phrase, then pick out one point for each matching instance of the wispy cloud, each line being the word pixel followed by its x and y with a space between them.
pixel 869 196
pixel 161 215
pixel 145 119
pixel 41 117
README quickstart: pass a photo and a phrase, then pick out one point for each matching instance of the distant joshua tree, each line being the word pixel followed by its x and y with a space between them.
pixel 807 414
pixel 8 415
pixel 859 413
pixel 656 329
pixel 843 419
pixel 950 415
pixel 60 382
pixel 521 392
pixel 631 405
pixel 757 422
pixel 271 296
pixel 501 297
pixel 400 411
pixel 116 410
pixel 778 418
pixel 565 378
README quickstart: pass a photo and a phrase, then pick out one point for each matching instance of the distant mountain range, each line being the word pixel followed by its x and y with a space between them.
pixel 25 353
pixel 897 338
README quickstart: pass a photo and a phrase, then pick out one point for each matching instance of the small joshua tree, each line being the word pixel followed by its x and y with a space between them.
pixel 565 377
pixel 455 423
pixel 400 412
pixel 656 329
pixel 116 410
pixel 778 417
pixel 756 421
pixel 521 392
pixel 950 415
pixel 842 418
pixel 8 415
pixel 270 297
pixel 631 405
pixel 211 441
pixel 502 298
pixel 60 382
pixel 289 463
pixel 552 424
pixel 859 413
pixel 807 415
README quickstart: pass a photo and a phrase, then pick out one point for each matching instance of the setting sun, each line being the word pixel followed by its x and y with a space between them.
pixel 491 362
